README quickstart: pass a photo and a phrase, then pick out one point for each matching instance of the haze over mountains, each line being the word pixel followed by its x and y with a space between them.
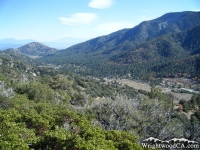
pixel 105 93
pixel 169 39
pixel 159 43
pixel 127 38
pixel 13 43
pixel 59 44
pixel 64 42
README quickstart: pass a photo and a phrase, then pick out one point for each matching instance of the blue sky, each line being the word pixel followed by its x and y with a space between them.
pixel 49 20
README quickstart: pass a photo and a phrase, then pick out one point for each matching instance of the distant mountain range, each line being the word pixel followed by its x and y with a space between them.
pixel 13 43
pixel 59 44
pixel 166 46
pixel 33 50
pixel 128 38
pixel 65 42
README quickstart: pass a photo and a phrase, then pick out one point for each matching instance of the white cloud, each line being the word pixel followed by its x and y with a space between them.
pixel 113 26
pixel 145 10
pixel 100 4
pixel 78 18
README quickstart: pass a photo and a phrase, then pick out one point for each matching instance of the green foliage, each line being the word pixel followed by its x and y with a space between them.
pixel 47 109
pixel 4 102
pixel 14 134
pixel 27 124
pixel 142 116
pixel 96 88
pixel 127 144
pixel 60 82
pixel 185 105
pixel 4 79
pixel 77 99
pixel 156 93
pixel 41 93
pixel 36 91
pixel 195 101
pixel 197 114
pixel 166 53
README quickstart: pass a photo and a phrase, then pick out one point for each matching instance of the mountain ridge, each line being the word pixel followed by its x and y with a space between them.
pixel 170 45
pixel 141 50
pixel 35 49
pixel 140 33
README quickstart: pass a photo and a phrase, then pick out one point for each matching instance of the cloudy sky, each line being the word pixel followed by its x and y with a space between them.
pixel 49 20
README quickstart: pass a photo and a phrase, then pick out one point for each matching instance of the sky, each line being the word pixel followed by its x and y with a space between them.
pixel 50 20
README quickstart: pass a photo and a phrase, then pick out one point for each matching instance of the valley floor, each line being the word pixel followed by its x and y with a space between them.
pixel 177 96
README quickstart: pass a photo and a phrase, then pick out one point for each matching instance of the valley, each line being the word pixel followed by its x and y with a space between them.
pixel 109 93
pixel 177 96
pixel 135 84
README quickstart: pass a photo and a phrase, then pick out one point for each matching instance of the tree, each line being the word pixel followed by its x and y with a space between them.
pixel 61 82
pixel 142 116
pixel 185 105
pixel 32 125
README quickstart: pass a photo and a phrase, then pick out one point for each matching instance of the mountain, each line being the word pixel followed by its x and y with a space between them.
pixel 14 54
pixel 58 44
pixel 13 43
pixel 36 49
pixel 169 55
pixel 16 66
pixel 168 46
pixel 140 51
pixel 128 38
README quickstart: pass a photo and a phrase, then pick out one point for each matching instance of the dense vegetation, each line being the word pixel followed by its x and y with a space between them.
pixel 26 124
pixel 165 47
pixel 39 114
pixel 62 105
pixel 69 111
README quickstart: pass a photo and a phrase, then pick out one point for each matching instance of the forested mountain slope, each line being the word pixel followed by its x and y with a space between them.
pixel 169 55
pixel 140 51
pixel 13 64
pixel 123 39
pixel 170 46
pixel 45 108
pixel 58 106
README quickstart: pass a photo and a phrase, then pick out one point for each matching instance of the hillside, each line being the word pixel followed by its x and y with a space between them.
pixel 18 67
pixel 36 49
pixel 44 107
pixel 170 46
pixel 36 103
pixel 128 38
pixel 137 51
pixel 174 54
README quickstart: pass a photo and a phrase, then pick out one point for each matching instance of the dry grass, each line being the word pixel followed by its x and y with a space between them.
pixel 135 84
pixel 147 87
